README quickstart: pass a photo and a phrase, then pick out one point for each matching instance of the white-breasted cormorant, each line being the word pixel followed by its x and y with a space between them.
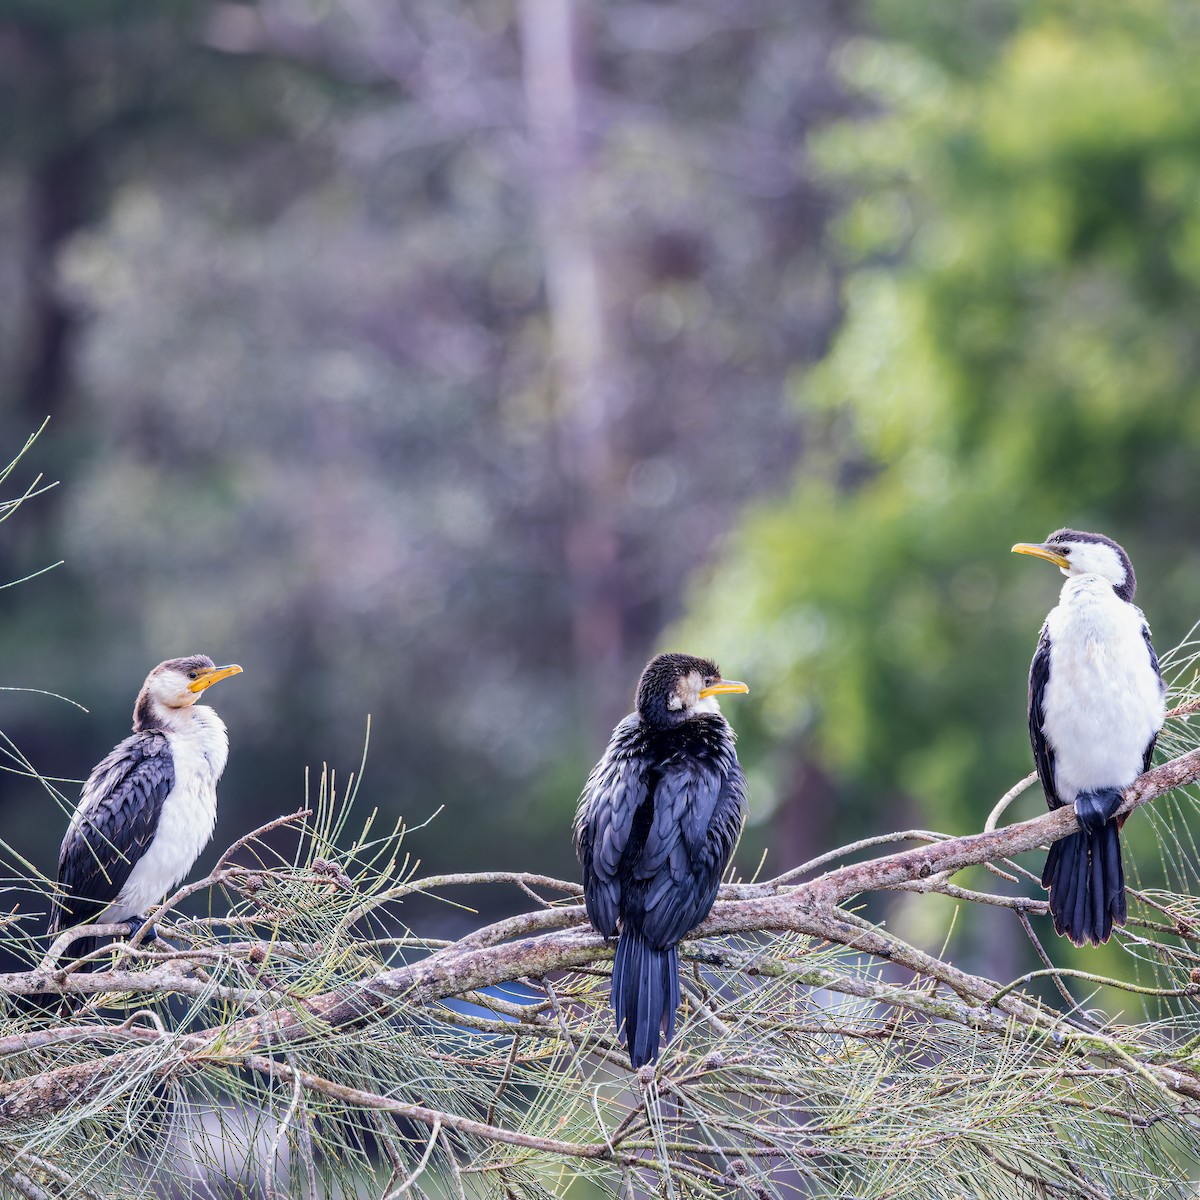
pixel 148 808
pixel 656 825
pixel 1095 709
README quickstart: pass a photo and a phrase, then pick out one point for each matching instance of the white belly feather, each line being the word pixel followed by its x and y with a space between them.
pixel 199 748
pixel 1103 701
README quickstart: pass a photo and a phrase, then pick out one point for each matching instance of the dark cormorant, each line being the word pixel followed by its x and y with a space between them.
pixel 147 809
pixel 1095 709
pixel 654 831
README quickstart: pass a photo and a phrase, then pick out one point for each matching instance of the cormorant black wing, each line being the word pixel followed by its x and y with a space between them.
pixel 699 804
pixel 614 792
pixel 1043 752
pixel 118 815
pixel 1149 755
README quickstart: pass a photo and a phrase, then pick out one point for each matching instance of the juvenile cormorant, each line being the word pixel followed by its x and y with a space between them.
pixel 1095 709
pixel 657 822
pixel 148 808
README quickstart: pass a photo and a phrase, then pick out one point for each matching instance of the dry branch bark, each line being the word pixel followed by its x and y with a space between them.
pixel 480 961
pixel 953 855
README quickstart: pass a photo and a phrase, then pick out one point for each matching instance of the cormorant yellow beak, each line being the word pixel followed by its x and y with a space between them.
pixel 207 678
pixel 1041 551
pixel 722 686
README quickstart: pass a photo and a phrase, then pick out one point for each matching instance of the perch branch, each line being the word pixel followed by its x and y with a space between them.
pixel 809 908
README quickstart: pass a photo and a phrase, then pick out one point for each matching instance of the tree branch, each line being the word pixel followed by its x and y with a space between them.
pixel 481 961
pixel 953 855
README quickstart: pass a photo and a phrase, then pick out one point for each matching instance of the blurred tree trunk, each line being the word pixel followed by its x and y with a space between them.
pixel 802 824
pixel 54 159
pixel 57 207
pixel 59 200
pixel 582 375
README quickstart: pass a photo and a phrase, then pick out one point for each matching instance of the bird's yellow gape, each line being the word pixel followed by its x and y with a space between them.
pixel 721 687
pixel 208 678
pixel 1037 550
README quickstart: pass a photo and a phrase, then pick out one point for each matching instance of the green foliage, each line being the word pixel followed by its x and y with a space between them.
pixel 1018 353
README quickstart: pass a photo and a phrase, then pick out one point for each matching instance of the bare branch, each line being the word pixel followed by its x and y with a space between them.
pixel 359 1098
pixel 484 960
pixel 978 848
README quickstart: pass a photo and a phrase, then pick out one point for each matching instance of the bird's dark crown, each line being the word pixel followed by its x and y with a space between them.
pixel 660 682
pixel 192 662
pixel 1064 537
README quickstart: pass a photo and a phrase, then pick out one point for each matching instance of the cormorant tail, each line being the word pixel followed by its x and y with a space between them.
pixel 645 995
pixel 1087 884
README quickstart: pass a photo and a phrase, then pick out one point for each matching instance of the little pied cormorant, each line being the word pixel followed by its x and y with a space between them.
pixel 148 808
pixel 656 825
pixel 1095 709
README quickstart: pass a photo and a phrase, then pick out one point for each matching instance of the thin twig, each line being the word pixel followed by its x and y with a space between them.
pixel 405 1185
pixel 359 1098
pixel 1002 804
pixel 809 908
pixel 1040 951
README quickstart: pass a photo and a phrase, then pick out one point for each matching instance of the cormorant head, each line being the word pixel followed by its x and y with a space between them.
pixel 176 684
pixel 1078 553
pixel 675 687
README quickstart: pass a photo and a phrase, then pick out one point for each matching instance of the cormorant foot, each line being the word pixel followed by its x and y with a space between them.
pixel 135 924
pixel 1093 809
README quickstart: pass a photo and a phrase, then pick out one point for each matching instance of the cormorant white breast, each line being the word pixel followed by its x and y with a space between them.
pixel 656 825
pixel 1095 709
pixel 149 807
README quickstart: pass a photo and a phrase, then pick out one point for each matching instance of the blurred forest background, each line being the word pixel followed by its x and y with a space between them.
pixel 441 360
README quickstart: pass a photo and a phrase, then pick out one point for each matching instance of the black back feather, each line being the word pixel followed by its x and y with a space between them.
pixel 1043 752
pixel 124 799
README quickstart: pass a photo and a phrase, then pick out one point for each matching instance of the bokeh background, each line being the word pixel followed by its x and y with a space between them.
pixel 441 360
